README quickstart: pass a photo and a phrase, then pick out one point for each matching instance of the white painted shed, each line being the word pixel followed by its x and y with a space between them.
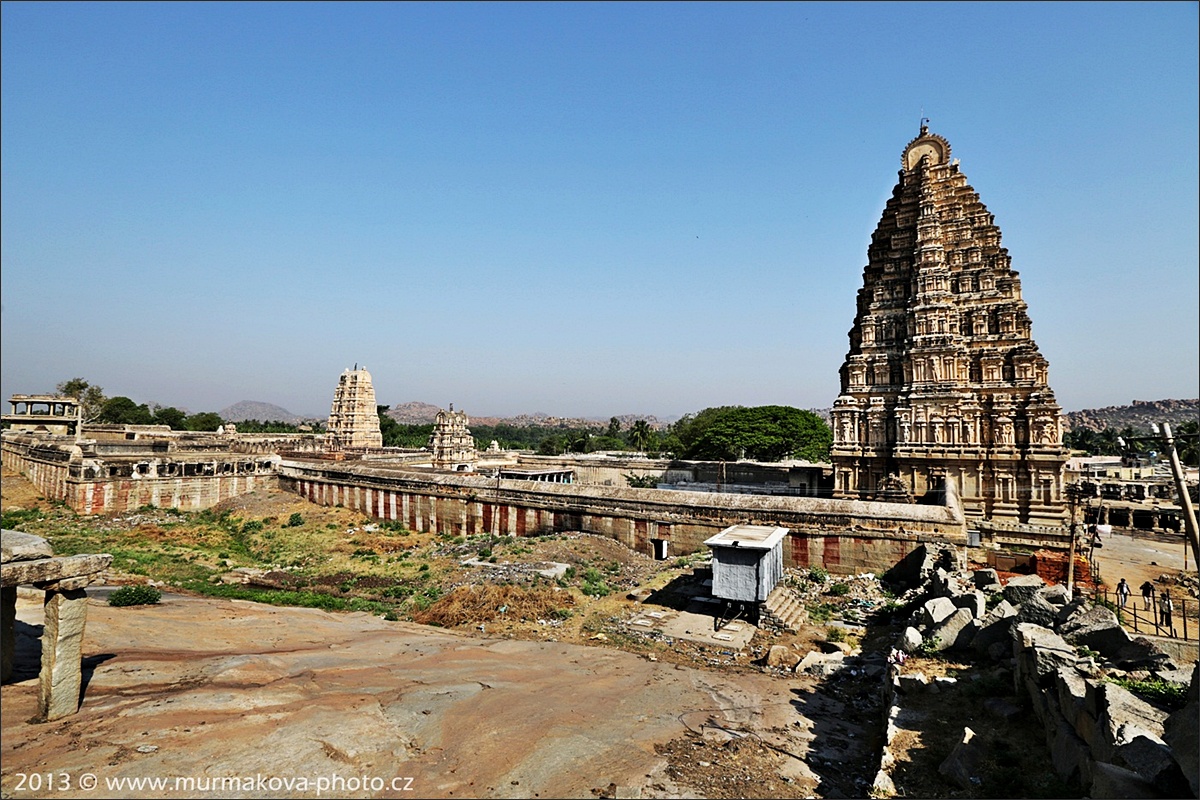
pixel 747 562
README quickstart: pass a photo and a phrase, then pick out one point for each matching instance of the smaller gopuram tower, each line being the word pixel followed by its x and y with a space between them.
pixel 943 379
pixel 354 418
pixel 451 442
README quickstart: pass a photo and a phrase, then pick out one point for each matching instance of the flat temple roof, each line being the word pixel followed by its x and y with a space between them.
pixel 758 537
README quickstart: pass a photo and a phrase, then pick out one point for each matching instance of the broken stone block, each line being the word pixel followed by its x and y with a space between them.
pixel 1153 761
pixel 936 610
pixel 1141 653
pixel 910 640
pixel 974 601
pixel 1097 629
pixel 1122 717
pixel 1041 652
pixel 18 546
pixel 782 657
pixel 1070 754
pixel 962 766
pixel 985 578
pixel 1055 595
pixel 62 651
pixel 996 628
pixel 1110 781
pixel 1181 731
pixel 1022 587
pixel 913 683
pixel 820 664
pixel 955 632
pixel 1039 611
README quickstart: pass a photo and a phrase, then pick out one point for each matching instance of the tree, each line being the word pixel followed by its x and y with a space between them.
pixel 170 416
pixel 389 428
pixel 763 433
pixel 1185 442
pixel 640 434
pixel 121 410
pixel 204 421
pixel 91 399
pixel 614 428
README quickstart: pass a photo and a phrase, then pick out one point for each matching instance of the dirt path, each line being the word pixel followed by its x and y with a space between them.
pixel 201 688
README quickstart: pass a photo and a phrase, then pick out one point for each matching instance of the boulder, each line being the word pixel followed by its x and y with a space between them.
pixel 955 632
pixel 1152 760
pixel 974 601
pixel 1112 781
pixel 1038 610
pixel 912 683
pixel 1040 652
pixel 995 628
pixel 820 664
pixel 1122 717
pixel 1181 730
pixel 1055 595
pixel 1141 653
pixel 1072 690
pixel 985 579
pixel 1097 629
pixel 963 764
pixel 934 611
pixel 1069 754
pixel 1022 587
pixel 910 640
pixel 781 657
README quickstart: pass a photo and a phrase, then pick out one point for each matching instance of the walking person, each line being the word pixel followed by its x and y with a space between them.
pixel 1122 593
pixel 1147 595
pixel 1165 607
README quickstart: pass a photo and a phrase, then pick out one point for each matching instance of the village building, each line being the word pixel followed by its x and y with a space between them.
pixel 943 381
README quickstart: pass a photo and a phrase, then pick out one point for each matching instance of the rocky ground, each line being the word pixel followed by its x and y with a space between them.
pixel 545 691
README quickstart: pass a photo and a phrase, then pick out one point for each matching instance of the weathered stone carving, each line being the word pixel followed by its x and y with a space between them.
pixel 451 442
pixel 951 383
pixel 354 418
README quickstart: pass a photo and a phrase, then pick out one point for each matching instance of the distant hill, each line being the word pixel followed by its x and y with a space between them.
pixel 418 413
pixel 413 413
pixel 1138 415
pixel 263 412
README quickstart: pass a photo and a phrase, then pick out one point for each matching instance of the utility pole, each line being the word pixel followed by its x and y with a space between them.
pixel 1074 490
pixel 1185 500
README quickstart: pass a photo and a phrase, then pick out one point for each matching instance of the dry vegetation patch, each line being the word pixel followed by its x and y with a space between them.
pixel 475 604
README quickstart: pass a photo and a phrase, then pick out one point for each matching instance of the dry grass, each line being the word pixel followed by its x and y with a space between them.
pixel 483 603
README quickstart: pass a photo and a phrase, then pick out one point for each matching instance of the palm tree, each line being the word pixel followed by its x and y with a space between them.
pixel 639 434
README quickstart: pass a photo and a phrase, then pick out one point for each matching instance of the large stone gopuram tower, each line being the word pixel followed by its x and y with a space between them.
pixel 451 442
pixel 943 379
pixel 354 418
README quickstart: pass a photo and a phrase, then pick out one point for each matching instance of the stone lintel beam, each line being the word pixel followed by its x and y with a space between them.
pixel 62 653
pixel 49 570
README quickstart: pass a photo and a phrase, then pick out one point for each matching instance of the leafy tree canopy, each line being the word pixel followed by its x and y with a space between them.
pixel 761 433
pixel 91 398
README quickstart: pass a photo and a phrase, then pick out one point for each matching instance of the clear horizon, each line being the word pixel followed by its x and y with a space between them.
pixel 585 210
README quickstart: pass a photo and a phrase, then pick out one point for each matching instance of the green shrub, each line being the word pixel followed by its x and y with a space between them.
pixel 295 520
pixel 252 526
pixel 595 588
pixel 818 574
pixel 835 635
pixel 1171 695
pixel 135 596
pixel 839 589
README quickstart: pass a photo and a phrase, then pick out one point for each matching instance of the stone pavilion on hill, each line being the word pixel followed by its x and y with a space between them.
pixel 943 378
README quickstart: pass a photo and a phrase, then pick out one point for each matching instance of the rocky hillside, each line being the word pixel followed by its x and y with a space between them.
pixel 413 413
pixel 263 412
pixel 1138 415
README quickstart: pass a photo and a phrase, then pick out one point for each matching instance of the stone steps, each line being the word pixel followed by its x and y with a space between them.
pixel 783 610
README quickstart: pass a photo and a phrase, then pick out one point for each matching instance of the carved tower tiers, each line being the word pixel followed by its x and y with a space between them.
pixel 354 417
pixel 943 378
pixel 451 442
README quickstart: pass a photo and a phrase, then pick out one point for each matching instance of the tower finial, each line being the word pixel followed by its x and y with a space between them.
pixel 924 125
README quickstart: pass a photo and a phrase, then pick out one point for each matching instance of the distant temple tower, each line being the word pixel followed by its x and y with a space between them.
pixel 451 443
pixel 943 379
pixel 354 418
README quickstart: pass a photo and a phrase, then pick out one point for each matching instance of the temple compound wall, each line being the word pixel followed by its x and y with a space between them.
pixel 943 378
pixel 93 477
pixel 843 536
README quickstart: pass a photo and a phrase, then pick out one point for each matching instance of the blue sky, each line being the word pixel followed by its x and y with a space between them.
pixel 582 209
